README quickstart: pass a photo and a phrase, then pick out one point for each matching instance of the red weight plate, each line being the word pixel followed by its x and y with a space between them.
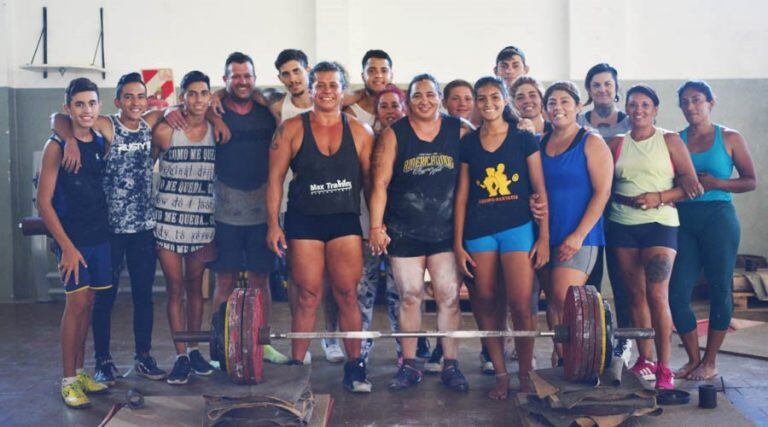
pixel 257 352
pixel 234 325
pixel 247 345
pixel 574 319
pixel 582 308
pixel 589 334
pixel 567 320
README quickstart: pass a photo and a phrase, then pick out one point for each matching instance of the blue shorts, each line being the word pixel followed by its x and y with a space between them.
pixel 242 247
pixel 97 276
pixel 518 238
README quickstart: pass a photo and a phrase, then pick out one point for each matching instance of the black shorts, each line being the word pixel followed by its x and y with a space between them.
pixel 641 236
pixel 321 227
pixel 242 248
pixel 405 246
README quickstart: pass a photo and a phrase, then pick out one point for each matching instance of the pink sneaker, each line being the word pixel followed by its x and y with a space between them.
pixel 665 379
pixel 645 368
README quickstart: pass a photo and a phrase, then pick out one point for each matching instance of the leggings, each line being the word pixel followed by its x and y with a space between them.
pixel 708 238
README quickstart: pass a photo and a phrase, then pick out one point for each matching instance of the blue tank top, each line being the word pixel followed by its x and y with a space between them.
pixel 716 161
pixel 569 190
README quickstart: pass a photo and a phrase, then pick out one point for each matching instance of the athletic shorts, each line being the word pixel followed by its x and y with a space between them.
pixel 641 236
pixel 97 276
pixel 321 227
pixel 518 238
pixel 242 247
pixel 583 260
pixel 404 246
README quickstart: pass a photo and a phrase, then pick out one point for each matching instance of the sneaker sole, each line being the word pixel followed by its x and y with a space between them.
pixel 104 391
pixel 335 360
pixel 203 374
pixel 83 406
pixel 157 377
pixel 177 382
pixel 358 387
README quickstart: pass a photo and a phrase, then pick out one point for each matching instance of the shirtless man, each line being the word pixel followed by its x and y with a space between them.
pixel 330 157
pixel 377 74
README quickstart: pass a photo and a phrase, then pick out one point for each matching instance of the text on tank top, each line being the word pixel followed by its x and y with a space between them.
pixel 499 182
pixel 715 161
pixel 643 167
pixel 128 178
pixel 421 192
pixel 569 190
pixel 184 202
pixel 322 184
pixel 78 198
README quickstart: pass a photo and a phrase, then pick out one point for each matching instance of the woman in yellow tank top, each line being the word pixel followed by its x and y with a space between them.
pixel 652 171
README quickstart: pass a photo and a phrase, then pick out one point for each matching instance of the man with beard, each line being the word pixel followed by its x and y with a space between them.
pixel 330 158
pixel 240 190
pixel 377 74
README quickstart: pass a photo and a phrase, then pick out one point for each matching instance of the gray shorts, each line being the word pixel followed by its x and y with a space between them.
pixel 584 259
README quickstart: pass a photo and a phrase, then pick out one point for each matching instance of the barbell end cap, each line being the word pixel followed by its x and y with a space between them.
pixel 265 337
pixel 562 335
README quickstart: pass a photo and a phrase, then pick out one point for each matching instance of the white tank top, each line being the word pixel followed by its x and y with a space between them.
pixel 363 115
pixel 289 110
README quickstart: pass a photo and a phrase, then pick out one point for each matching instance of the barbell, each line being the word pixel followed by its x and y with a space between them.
pixel 239 331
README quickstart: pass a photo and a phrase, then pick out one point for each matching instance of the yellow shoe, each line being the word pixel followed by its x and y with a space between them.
pixel 74 397
pixel 89 385
pixel 271 355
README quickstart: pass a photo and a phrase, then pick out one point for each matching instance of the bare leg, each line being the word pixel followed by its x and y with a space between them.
pixel 171 263
pixel 445 285
pixel 84 324
pixel 658 267
pixel 633 277
pixel 560 280
pixel 691 344
pixel 409 278
pixel 307 259
pixel 193 283
pixel 518 276
pixel 225 284
pixel 344 262
pixel 76 308
pixel 708 367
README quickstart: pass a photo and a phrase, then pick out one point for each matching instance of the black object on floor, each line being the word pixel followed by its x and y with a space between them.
pixel 707 396
pixel 673 397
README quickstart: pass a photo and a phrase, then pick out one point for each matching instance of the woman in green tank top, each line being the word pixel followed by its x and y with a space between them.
pixel 709 232
pixel 652 170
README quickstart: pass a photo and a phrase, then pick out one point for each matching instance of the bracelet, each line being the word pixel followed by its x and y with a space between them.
pixel 661 200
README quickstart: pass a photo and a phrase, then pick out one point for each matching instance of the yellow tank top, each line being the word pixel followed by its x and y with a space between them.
pixel 643 167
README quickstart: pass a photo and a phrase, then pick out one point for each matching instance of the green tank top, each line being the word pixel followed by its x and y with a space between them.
pixel 643 167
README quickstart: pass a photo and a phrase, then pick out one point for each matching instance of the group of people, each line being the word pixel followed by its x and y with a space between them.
pixel 498 184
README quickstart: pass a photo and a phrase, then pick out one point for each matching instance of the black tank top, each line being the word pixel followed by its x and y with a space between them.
pixel 420 194
pixel 242 163
pixel 325 185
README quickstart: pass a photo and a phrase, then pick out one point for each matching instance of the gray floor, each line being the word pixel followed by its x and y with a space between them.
pixel 30 357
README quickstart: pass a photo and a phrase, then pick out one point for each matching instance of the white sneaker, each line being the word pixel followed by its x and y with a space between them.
pixel 624 350
pixel 307 358
pixel 333 353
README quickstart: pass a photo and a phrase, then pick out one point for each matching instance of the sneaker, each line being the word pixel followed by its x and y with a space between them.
pixel 623 350
pixel 180 372
pixel 356 377
pixel 74 397
pixel 199 364
pixel 645 368
pixel 146 366
pixel 89 385
pixel 333 353
pixel 307 358
pixel 407 376
pixel 399 359
pixel 435 363
pixel 271 355
pixel 105 371
pixel 665 379
pixel 453 378
pixel 422 348
pixel 486 366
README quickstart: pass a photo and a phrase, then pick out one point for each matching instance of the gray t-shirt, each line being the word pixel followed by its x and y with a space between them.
pixel 239 207
pixel 606 132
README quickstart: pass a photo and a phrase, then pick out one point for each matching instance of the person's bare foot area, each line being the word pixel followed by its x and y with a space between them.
pixel 499 392
pixel 686 369
pixel 526 385
pixel 703 372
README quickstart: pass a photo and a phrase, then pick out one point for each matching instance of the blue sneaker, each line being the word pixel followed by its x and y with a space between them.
pixel 181 370
pixel 356 377
pixel 199 365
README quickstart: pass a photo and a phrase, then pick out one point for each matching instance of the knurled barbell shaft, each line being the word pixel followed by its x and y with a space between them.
pixel 200 336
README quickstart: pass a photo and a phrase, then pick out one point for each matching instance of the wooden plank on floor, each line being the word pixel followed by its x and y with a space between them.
pixel 321 413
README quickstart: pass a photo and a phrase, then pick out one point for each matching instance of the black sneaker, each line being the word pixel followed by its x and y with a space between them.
pixel 452 376
pixel 146 366
pixel 422 348
pixel 105 371
pixel 199 364
pixel 407 376
pixel 356 377
pixel 434 364
pixel 486 366
pixel 180 372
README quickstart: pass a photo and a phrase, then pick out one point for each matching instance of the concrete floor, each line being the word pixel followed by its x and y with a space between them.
pixel 30 356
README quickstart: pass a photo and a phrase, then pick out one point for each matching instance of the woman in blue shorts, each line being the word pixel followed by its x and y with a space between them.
pixel 500 167
pixel 578 170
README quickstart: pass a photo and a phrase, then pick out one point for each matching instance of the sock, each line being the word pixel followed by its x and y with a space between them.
pixel 79 371
pixel 68 381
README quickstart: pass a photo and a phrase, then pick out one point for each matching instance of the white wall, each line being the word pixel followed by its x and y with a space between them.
pixel 649 40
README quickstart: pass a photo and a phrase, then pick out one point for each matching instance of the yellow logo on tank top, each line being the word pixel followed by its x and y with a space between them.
pixel 496 183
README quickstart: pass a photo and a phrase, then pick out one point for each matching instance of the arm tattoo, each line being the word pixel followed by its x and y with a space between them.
pixel 277 136
pixel 658 268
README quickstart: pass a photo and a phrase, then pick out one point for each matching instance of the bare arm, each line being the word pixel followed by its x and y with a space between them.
pixel 742 160
pixel 49 172
pixel 352 97
pixel 61 125
pixel 459 216
pixel 363 136
pixel 540 249
pixel 382 165
pixel 280 155
pixel 600 168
